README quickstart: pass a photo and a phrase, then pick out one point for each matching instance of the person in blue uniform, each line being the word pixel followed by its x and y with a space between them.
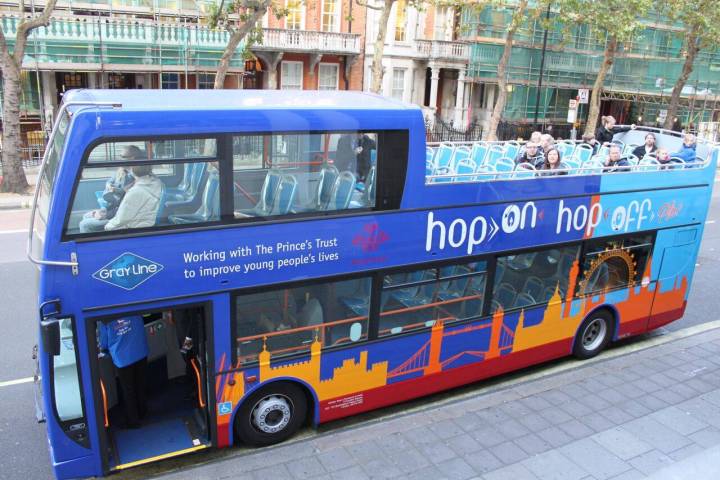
pixel 124 340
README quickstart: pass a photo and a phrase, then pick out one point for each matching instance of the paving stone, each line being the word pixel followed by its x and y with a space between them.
pixel 592 457
pixel 336 459
pixel 279 472
pixel 446 429
pixel 353 473
pixel 622 443
pixel 555 397
pixel 303 468
pixel 437 453
pixel 712 397
pixel 634 408
pixel 365 451
pixel 630 475
pixel 533 444
pixel 515 409
pixel 708 412
pixel 708 437
pixel 612 396
pixel 616 416
pixel 576 409
pixel 381 468
pixel 409 460
pixel 683 390
pixel 576 429
pixel 576 391
pixel 553 465
pixel 686 452
pixel 463 444
pixel 508 453
pixel 669 396
pixel 456 469
pixel 656 434
pixel 511 472
pixel 654 403
pixel 661 379
pixel 555 436
pixel 483 461
pixel 512 429
pixel 679 420
pixel 492 415
pixel 534 422
pixel 488 436
pixel 430 472
pixel 536 402
pixel 555 416
pixel 651 462
pixel 629 390
pixel 421 436
pixel 469 421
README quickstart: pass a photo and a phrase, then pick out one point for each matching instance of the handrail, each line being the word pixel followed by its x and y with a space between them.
pixel 201 402
pixel 105 405
pixel 63 109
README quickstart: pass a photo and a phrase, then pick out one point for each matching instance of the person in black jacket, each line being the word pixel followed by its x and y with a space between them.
pixel 649 147
pixel 605 134
pixel 615 162
pixel 531 155
pixel 353 154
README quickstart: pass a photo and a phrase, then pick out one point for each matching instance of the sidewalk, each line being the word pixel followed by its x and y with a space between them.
pixel 13 201
pixel 653 413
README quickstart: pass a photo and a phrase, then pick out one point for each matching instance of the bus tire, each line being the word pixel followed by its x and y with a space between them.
pixel 271 414
pixel 593 335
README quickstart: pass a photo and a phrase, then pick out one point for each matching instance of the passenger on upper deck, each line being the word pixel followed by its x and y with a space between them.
pixel 687 152
pixel 614 161
pixel 589 139
pixel 353 154
pixel 547 142
pixel 551 166
pixel 649 146
pixel 607 131
pixel 663 156
pixel 140 206
pixel 535 137
pixel 531 155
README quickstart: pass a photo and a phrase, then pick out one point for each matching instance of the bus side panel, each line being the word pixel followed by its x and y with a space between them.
pixel 679 253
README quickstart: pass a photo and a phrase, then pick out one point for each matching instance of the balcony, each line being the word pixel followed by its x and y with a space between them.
pixel 308 41
pixel 442 50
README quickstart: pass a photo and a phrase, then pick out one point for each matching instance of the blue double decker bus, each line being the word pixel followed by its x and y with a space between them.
pixel 224 267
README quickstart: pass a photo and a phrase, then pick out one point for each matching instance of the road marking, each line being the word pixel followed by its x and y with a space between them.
pixel 14 231
pixel 16 382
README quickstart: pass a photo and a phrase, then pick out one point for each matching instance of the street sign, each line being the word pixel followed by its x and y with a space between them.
pixel 662 115
pixel 572 105
pixel 572 111
pixel 583 95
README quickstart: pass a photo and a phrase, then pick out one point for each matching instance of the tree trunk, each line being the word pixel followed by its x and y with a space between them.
pixel 377 68
pixel 501 72
pixel 236 36
pixel 14 179
pixel 608 59
pixel 692 51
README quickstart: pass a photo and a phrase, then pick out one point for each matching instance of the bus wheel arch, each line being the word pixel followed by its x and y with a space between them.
pixel 595 332
pixel 273 412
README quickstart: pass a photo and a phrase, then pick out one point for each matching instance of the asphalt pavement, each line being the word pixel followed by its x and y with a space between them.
pixel 648 407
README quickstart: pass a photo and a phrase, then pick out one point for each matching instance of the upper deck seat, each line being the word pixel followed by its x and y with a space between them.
pixel 268 191
pixel 583 153
pixel 478 153
pixel 342 191
pixel 463 170
pixel 189 194
pixel 495 153
pixel 512 148
pixel 524 170
pixel 285 195
pixel 524 300
pixel 210 208
pixel 504 166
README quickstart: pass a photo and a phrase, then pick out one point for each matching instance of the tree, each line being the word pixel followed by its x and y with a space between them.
pixel 14 179
pixel 701 21
pixel 376 68
pixel 613 21
pixel 240 18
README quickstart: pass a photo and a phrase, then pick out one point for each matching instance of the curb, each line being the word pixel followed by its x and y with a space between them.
pixel 16 204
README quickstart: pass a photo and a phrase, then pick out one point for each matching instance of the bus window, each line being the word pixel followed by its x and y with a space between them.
pixel 176 149
pixel 527 279
pixel 421 298
pixel 288 173
pixel 288 321
pixel 614 263
pixel 116 196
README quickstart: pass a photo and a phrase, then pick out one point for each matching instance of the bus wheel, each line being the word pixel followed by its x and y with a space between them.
pixel 271 415
pixel 594 335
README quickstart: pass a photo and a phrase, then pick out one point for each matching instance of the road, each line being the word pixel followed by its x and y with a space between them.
pixel 22 440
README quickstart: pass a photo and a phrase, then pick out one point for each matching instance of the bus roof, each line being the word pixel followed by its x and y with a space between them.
pixel 162 100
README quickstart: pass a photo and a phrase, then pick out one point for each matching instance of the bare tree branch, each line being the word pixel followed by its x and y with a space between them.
pixel 24 28
pixel 367 5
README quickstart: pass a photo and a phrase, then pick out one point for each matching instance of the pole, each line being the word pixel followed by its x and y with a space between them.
pixel 542 67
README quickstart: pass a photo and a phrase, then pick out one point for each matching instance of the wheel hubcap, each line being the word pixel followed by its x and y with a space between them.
pixel 272 413
pixel 594 334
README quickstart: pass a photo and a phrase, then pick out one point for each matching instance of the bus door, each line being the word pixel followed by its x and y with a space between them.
pixel 151 384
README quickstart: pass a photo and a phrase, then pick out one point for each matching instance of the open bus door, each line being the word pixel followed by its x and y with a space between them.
pixel 167 387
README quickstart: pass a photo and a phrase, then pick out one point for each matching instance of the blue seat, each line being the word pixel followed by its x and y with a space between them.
pixel 161 216
pixel 188 194
pixel 268 191
pixel 285 195
pixel 416 295
pixel 342 192
pixel 210 208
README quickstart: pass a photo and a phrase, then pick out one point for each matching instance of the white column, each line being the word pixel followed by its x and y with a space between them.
pixel 434 79
pixel 49 92
pixel 460 101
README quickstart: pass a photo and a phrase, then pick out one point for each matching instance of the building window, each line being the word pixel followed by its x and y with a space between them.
pixel 117 80
pixel 295 19
pixel 398 83
pixel 291 77
pixel 170 81
pixel 205 81
pixel 328 76
pixel 330 16
pixel 400 21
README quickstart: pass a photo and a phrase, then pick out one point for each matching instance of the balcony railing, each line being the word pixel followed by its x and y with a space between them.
pixel 277 39
pixel 444 50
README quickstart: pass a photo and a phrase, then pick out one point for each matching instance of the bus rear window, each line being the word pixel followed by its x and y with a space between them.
pixel 286 173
